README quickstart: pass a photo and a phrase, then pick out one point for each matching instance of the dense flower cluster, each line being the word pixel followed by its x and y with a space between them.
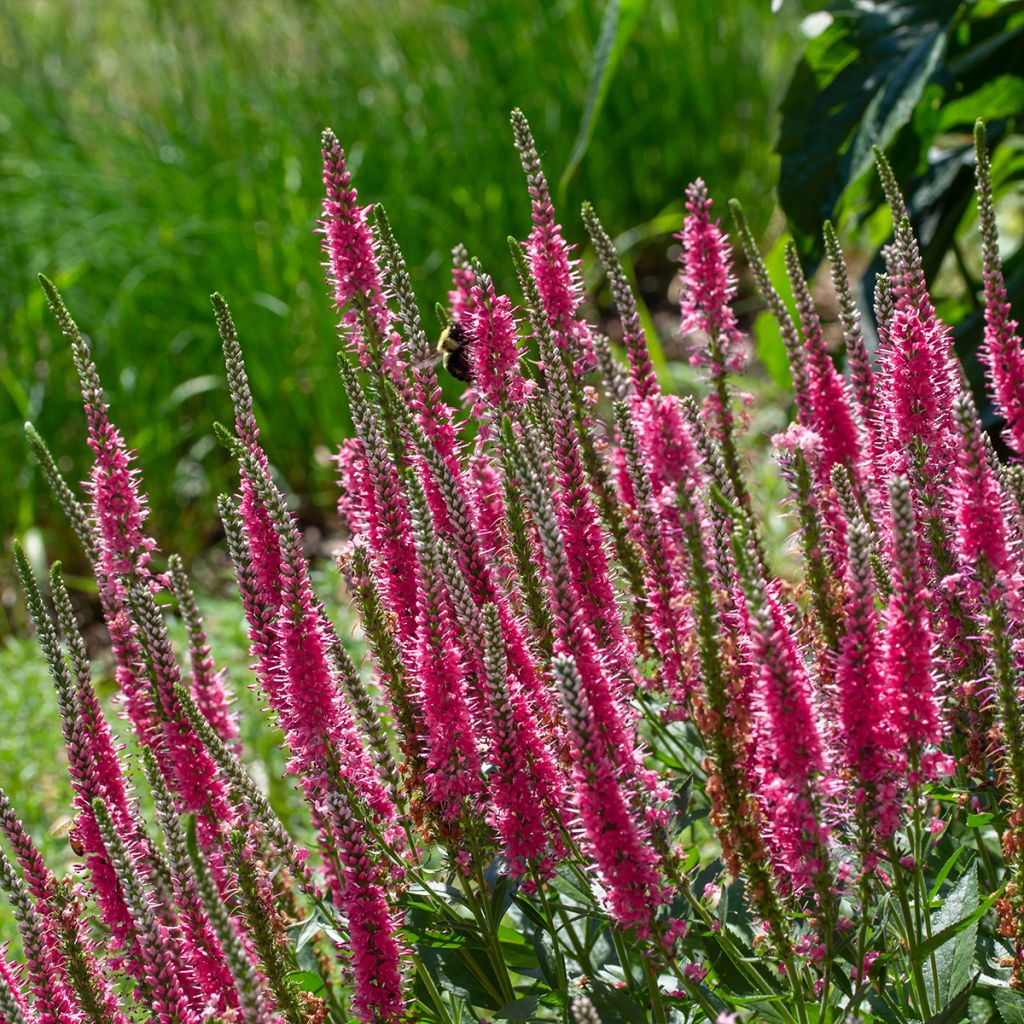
pixel 575 635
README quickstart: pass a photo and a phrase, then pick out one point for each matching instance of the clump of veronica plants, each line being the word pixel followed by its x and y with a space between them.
pixel 601 763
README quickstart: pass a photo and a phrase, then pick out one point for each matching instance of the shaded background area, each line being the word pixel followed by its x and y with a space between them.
pixel 151 153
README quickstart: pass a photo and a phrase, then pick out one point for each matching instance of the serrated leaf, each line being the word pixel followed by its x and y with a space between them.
pixel 1010 1006
pixel 954 959
pixel 954 1012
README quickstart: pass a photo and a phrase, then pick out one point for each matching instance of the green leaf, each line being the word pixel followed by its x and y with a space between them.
pixel 521 1009
pixel 306 981
pixel 308 930
pixel 856 86
pixel 1000 97
pixel 613 1004
pixel 465 973
pixel 954 1012
pixel 1010 1006
pixel 620 19
pixel 945 870
pixel 977 820
pixel 954 958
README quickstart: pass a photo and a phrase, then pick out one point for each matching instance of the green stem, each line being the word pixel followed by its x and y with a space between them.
pixel 435 996
pixel 482 908
pixel 620 950
pixel 560 971
pixel 725 943
pixel 921 1006
pixel 657 1006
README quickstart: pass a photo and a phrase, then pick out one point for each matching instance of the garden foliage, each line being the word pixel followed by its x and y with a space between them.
pixel 602 764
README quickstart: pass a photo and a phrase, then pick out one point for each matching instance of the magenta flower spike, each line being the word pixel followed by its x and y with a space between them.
pixel 865 720
pixel 574 636
pixel 556 274
pixel 667 591
pixel 643 381
pixel 119 512
pixel 495 353
pixel 832 417
pixel 193 775
pixel 377 954
pixel 44 959
pixel 163 969
pixel 208 682
pixel 460 524
pixel 920 440
pixel 461 300
pixel 318 724
pixel 1002 350
pixel 667 445
pixel 616 840
pixel 910 677
pixel 789 754
pixel 453 769
pixel 355 491
pixel 582 536
pixel 982 533
pixel 708 286
pixel 93 765
pixel 385 513
pixel 14 1008
pixel 352 267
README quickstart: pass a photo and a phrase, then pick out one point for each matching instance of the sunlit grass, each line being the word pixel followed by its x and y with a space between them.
pixel 148 157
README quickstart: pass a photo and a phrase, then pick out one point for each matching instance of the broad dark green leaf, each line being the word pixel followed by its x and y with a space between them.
pixel 463 973
pixel 613 1005
pixel 856 86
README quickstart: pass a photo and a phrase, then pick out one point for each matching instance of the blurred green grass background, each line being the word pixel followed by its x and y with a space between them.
pixel 152 152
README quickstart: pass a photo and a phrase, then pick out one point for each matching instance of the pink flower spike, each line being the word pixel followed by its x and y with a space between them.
pixel 982 533
pixel 1001 350
pixel 14 1008
pixel 461 302
pixel 495 352
pixel 789 750
pixel 708 285
pixel 453 769
pixel 352 267
pixel 557 277
pixel 377 955
pixel 864 724
pixel 915 716
pixel 616 840
pixel 831 404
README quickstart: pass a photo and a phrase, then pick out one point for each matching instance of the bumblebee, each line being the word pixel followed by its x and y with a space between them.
pixel 453 348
